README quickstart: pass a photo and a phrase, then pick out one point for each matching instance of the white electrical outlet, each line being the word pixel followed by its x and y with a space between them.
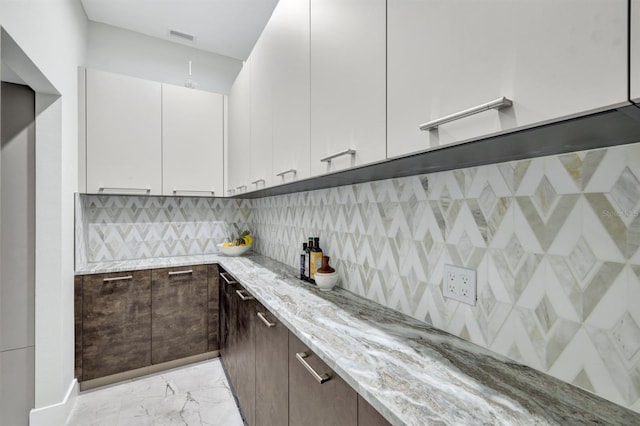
pixel 459 284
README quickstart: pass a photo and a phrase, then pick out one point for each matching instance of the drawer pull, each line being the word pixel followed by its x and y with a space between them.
pixel 192 191
pixel 495 104
pixel 256 182
pixel 226 279
pixel 286 172
pixel 319 378
pixel 242 188
pixel 188 271
pixel 231 191
pixel 126 277
pixel 264 319
pixel 116 189
pixel 242 296
pixel 328 158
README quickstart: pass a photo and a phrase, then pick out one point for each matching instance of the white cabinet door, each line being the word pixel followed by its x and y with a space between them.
pixel 348 107
pixel 260 173
pixel 634 60
pixel 239 106
pixel 553 58
pixel 123 134
pixel 288 29
pixel 192 151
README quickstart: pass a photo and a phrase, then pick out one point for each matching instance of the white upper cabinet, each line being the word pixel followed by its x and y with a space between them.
pixel 635 52
pixel 288 30
pixel 259 175
pixel 348 108
pixel 239 121
pixel 192 142
pixel 553 59
pixel 123 116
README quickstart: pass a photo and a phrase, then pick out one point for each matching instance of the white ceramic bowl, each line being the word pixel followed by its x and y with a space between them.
pixel 233 250
pixel 326 282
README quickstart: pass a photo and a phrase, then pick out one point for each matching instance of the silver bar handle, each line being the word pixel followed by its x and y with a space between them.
pixel 286 172
pixel 328 158
pixel 494 104
pixel 256 182
pixel 231 191
pixel 227 280
pixel 242 296
pixel 239 188
pixel 319 378
pixel 126 277
pixel 188 271
pixel 146 190
pixel 192 191
pixel 264 319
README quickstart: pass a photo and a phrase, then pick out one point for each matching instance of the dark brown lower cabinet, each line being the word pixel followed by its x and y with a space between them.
pixel 272 370
pixel 238 338
pixel 213 313
pixel 369 416
pixel 317 395
pixel 116 323
pixel 179 300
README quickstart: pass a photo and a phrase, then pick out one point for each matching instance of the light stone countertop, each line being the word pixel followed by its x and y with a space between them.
pixel 412 373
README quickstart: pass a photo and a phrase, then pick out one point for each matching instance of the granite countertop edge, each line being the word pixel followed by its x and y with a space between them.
pixel 410 372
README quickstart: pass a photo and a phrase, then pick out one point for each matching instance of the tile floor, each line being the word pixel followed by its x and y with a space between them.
pixel 197 394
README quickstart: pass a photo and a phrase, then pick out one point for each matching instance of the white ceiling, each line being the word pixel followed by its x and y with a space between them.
pixel 226 27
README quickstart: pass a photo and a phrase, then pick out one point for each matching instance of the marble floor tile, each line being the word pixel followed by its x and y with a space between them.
pixel 195 395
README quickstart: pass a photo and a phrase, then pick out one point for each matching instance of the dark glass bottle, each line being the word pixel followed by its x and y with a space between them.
pixel 316 258
pixel 303 258
pixel 307 261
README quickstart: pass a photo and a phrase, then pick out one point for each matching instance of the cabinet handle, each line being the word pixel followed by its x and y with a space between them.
pixel 188 271
pixel 495 104
pixel 319 378
pixel 256 182
pixel 231 191
pixel 328 158
pixel 146 190
pixel 224 277
pixel 242 296
pixel 286 172
pixel 241 187
pixel 126 277
pixel 192 191
pixel 264 319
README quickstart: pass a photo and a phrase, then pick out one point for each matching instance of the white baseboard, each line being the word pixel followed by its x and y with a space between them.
pixel 55 414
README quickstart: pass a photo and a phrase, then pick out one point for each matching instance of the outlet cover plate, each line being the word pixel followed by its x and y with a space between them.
pixel 459 284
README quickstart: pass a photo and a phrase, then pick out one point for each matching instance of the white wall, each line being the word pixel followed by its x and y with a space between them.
pixel 126 52
pixel 53 34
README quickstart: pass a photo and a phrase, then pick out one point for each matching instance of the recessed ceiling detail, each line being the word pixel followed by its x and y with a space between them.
pixel 226 27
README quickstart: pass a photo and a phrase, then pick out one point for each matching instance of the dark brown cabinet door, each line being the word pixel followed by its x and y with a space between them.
pixel 272 369
pixel 213 314
pixel 238 343
pixel 116 323
pixel 369 416
pixel 311 403
pixel 179 300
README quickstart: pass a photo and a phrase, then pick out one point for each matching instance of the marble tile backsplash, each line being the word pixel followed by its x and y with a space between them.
pixel 136 227
pixel 554 241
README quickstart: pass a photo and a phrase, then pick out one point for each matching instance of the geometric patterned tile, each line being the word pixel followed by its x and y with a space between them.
pixel 555 242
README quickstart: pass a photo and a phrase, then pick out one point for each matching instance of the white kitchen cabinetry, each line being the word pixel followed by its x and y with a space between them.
pixel 288 29
pixel 123 116
pixel 260 174
pixel 553 58
pixel 239 146
pixel 348 108
pixel 192 142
